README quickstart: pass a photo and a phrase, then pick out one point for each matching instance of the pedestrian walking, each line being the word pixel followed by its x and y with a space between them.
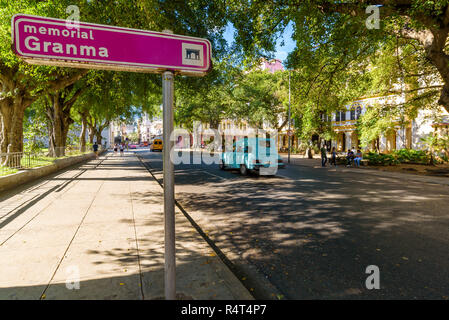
pixel 95 147
pixel 122 147
pixel 115 148
pixel 323 156
pixel 333 157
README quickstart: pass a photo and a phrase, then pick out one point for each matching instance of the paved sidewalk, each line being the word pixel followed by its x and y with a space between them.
pixel 316 163
pixel 101 223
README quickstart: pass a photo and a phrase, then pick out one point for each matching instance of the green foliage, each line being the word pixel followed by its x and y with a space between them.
pixel 111 95
pixel 438 144
pixel 107 95
pixel 72 138
pixel 133 137
pixel 411 156
pixel 397 157
pixel 337 59
pixel 260 96
pixel 35 130
pixel 377 120
pixel 230 92
pixel 206 99
pixel 376 159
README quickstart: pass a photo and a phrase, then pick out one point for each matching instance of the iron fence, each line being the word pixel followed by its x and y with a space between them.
pixel 14 161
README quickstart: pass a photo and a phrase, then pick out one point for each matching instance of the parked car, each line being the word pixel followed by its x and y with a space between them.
pixel 156 145
pixel 132 146
pixel 253 155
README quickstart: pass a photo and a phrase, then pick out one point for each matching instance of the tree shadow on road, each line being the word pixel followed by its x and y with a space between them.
pixel 315 236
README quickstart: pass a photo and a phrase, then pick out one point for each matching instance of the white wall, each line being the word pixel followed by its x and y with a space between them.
pixel 422 127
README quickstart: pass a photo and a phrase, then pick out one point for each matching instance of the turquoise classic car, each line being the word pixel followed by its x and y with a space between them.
pixel 252 155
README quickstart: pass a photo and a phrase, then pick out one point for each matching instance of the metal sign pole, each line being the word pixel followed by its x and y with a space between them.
pixel 289 128
pixel 169 186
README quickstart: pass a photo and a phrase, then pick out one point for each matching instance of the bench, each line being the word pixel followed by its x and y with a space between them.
pixel 341 160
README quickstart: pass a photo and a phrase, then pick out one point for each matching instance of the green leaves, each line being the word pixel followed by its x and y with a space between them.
pixel 206 99
pixel 260 96
pixel 108 94
pixel 229 92
pixel 337 59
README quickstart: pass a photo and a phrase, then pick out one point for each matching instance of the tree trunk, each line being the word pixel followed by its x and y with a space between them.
pixel 434 44
pixel 15 97
pixel 91 134
pixel 213 124
pixel 58 115
pixel 11 139
pixel 83 133
pixel 100 129
pixel 309 153
pixel 99 138
pixel 56 146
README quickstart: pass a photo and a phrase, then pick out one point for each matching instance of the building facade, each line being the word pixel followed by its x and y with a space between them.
pixel 118 131
pixel 409 136
pixel 271 65
pixel 149 127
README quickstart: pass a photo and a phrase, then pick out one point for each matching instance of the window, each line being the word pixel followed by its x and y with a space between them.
pixel 358 112
pixel 343 115
pixel 353 114
pixel 337 116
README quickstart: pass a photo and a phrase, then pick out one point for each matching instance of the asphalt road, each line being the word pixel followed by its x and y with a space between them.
pixel 312 232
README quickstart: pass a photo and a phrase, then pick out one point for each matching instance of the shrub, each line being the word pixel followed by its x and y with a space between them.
pixel 382 159
pixel 398 156
pixel 410 155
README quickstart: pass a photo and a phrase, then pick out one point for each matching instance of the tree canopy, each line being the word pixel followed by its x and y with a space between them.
pixel 22 84
pixel 341 55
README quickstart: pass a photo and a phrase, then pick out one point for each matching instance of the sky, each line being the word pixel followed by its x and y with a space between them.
pixel 281 51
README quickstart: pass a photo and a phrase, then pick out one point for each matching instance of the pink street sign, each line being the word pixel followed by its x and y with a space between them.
pixel 48 41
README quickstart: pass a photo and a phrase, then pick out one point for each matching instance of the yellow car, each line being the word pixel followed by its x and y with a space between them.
pixel 156 145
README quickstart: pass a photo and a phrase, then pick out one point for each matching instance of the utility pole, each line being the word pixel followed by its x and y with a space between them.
pixel 288 132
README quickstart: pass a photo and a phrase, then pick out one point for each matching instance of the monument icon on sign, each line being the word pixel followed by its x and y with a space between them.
pixel 192 54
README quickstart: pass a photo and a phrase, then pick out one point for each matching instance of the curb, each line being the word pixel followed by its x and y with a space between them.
pixel 389 174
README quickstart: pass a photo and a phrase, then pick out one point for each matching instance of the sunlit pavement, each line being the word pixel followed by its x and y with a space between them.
pixel 312 231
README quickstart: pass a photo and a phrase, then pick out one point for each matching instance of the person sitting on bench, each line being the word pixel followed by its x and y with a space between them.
pixel 358 158
pixel 349 157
